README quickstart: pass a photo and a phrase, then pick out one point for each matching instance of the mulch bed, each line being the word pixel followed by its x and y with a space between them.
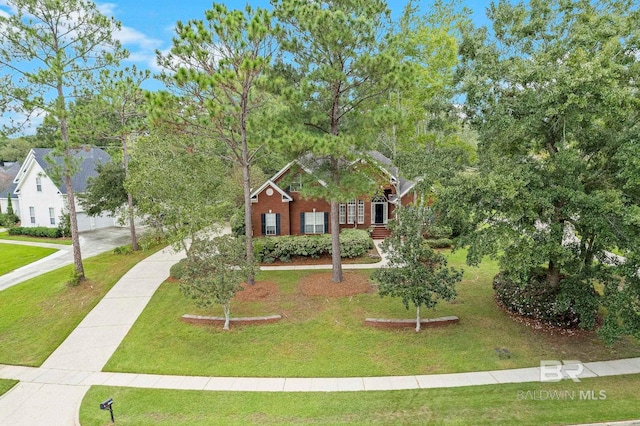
pixel 260 291
pixel 320 284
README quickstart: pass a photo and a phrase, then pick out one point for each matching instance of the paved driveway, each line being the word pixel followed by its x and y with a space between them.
pixel 91 244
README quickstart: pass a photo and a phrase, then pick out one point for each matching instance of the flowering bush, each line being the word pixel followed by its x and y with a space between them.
pixel 552 305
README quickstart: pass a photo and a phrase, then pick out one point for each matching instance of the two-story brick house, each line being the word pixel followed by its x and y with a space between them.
pixel 279 208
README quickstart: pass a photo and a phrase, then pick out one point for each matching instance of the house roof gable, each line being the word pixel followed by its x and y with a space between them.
pixel 88 158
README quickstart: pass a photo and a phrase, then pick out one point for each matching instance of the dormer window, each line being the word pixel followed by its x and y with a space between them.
pixel 39 184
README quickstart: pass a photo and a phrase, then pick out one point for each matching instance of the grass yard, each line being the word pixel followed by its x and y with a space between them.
pixel 477 405
pixel 325 337
pixel 5 236
pixel 39 314
pixel 14 256
pixel 6 385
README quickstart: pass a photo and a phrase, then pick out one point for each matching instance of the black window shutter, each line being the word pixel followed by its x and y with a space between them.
pixel 326 222
pixel 302 223
pixel 263 222
pixel 277 223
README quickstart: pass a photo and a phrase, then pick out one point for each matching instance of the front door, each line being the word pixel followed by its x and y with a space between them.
pixel 378 217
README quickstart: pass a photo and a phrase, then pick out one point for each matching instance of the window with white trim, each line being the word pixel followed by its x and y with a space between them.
pixel 270 224
pixel 314 223
pixel 360 211
pixel 38 184
pixel 351 211
pixel 342 214
pixel 32 214
pixel 52 216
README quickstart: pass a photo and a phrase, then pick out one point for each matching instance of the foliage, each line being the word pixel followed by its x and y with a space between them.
pixel 439 243
pixel 50 52
pixel 353 243
pixel 177 185
pixel 123 250
pixel 105 191
pixel 36 231
pixel 177 270
pixel 213 272
pixel 64 225
pixel 216 71
pixel 536 300
pixel 553 93
pixel 338 63
pixel 415 273
pixel 15 149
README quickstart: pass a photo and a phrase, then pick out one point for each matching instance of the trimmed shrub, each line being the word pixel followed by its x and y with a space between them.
pixel 440 243
pixel 177 270
pixel 38 231
pixel 353 243
pixel 123 250
pixel 560 306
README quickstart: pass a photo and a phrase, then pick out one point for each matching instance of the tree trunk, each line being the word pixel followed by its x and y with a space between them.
pixel 248 227
pixel 73 219
pixel 418 324
pixel 227 316
pixel 132 222
pixel 553 275
pixel 336 259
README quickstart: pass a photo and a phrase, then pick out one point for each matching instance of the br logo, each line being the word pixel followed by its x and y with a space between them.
pixel 555 370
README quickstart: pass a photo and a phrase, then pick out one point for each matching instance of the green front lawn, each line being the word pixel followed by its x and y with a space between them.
pixel 325 337
pixel 14 256
pixel 5 385
pixel 477 405
pixel 38 314
pixel 5 236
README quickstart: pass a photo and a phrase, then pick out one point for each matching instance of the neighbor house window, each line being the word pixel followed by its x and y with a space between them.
pixel 342 214
pixel 314 222
pixel 38 184
pixel 351 211
pixel 360 211
pixel 52 216
pixel 32 214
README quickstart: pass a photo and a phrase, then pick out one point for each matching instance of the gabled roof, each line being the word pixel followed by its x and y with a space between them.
pixel 285 197
pixel 272 181
pixel 88 159
pixel 383 163
pixel 403 185
pixel 7 174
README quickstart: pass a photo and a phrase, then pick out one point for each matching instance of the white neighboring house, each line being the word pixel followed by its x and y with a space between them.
pixel 39 201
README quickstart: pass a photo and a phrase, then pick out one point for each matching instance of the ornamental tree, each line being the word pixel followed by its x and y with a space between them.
pixel 213 272
pixel 416 273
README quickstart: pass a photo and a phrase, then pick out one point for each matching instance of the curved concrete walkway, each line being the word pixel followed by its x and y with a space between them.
pixel 52 393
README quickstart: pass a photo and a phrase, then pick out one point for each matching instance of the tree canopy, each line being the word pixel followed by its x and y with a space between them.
pixel 553 92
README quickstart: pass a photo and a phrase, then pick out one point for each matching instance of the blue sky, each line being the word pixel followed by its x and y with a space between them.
pixel 148 25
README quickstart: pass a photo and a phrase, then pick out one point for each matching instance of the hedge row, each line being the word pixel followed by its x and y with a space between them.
pixel 353 243
pixel 38 231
